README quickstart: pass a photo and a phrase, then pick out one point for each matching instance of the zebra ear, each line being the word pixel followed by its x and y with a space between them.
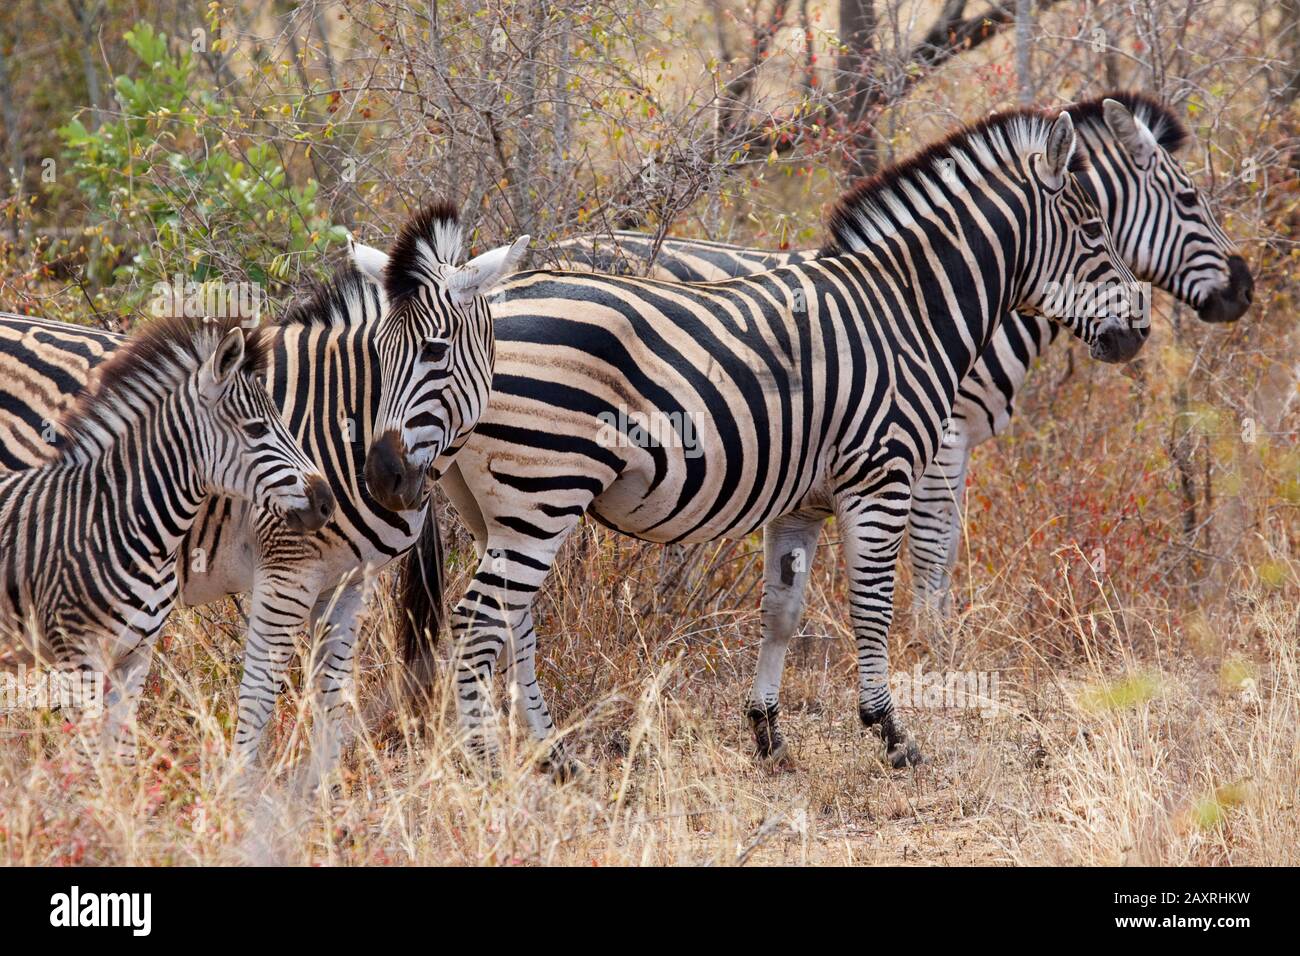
pixel 370 262
pixel 481 273
pixel 1060 148
pixel 225 361
pixel 1130 131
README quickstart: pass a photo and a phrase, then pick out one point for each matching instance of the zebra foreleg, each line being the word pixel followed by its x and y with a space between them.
pixel 789 544
pixel 529 704
pixel 282 601
pixel 872 529
pixel 334 623
pixel 934 529
pixel 494 614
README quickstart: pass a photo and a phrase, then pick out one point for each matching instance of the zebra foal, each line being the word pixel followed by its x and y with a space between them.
pixel 88 569
pixel 321 372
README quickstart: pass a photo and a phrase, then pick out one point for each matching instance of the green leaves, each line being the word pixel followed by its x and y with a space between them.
pixel 180 180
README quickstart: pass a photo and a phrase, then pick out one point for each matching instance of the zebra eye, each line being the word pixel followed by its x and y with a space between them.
pixel 256 429
pixel 433 351
pixel 1188 197
pixel 1092 228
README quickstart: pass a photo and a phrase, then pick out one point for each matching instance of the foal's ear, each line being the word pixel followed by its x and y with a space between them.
pixel 223 364
pixel 370 262
pixel 1131 132
pixel 1060 148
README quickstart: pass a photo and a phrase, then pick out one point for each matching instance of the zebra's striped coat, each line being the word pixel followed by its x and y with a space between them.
pixel 1160 224
pixel 321 374
pixel 817 389
pixel 89 565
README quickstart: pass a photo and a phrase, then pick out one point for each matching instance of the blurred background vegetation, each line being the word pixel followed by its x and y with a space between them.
pixel 142 139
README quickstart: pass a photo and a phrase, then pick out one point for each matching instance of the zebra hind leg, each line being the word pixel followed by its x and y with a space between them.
pixel 872 526
pixel 789 544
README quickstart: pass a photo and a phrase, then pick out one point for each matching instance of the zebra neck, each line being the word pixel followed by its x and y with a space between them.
pixel 148 489
pixel 327 373
pixel 1112 181
pixel 953 298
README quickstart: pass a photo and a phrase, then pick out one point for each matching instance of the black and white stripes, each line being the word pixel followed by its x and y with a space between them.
pixel 322 371
pixel 1161 226
pixel 91 537
pixel 815 389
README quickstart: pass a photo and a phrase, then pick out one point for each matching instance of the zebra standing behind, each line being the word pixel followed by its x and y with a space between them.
pixel 815 389
pixel 89 564
pixel 1160 223
pixel 321 373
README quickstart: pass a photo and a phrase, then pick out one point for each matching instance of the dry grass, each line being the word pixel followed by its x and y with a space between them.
pixel 1148 714
pixel 1175 757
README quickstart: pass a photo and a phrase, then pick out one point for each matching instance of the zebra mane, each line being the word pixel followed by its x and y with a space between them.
pixel 879 206
pixel 340 300
pixel 1162 121
pixel 429 242
pixel 154 363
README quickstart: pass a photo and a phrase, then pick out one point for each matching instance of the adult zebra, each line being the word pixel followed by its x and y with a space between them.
pixel 814 389
pixel 321 373
pixel 89 566
pixel 1160 223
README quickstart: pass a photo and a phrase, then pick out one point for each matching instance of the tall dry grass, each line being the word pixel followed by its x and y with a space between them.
pixel 1121 737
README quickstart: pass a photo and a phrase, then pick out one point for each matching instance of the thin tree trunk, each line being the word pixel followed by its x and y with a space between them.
pixel 854 82
pixel 13 138
pixel 1289 41
pixel 88 24
pixel 1024 39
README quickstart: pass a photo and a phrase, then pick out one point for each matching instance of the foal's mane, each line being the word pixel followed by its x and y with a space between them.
pixel 153 364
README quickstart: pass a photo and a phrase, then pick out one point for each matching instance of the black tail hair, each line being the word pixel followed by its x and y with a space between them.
pixel 422 604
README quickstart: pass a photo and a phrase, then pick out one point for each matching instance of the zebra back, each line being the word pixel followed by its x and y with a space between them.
pixel 681 260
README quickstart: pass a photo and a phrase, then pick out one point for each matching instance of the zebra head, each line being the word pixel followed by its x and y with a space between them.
pixel 1160 221
pixel 435 350
pixel 245 448
pixel 1074 274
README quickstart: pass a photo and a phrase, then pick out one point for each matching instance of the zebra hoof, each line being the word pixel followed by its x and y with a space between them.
pixel 779 759
pixel 903 753
pixel 562 768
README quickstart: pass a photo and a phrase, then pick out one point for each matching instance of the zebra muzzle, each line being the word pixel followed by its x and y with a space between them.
pixel 319 508
pixel 391 479
pixel 1230 303
pixel 1118 344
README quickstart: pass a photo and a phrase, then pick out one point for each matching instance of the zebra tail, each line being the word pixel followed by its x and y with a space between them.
pixel 422 604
